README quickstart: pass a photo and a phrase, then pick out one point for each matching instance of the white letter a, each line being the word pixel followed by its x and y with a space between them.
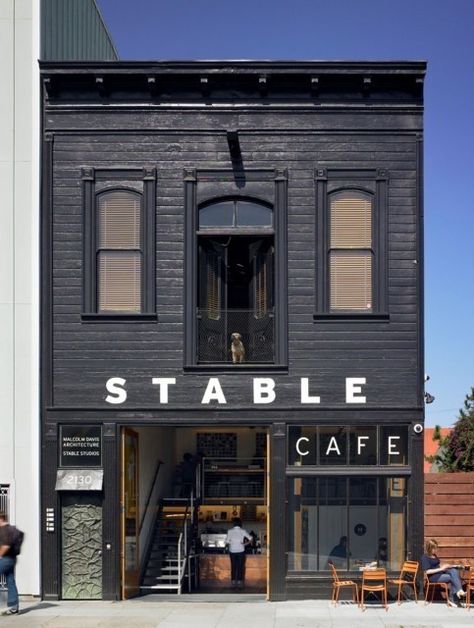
pixel 213 392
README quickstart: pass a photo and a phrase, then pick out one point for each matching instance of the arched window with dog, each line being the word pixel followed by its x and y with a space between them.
pixel 235 286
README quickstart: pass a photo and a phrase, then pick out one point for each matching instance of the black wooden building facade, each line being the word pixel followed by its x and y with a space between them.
pixel 250 168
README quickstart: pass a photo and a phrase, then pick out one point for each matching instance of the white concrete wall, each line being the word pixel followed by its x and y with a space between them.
pixel 19 271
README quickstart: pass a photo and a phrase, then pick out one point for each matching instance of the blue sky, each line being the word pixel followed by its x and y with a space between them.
pixel 439 31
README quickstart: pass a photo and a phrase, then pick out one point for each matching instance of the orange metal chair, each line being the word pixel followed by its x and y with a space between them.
pixel 469 588
pixel 432 585
pixel 338 584
pixel 374 580
pixel 407 578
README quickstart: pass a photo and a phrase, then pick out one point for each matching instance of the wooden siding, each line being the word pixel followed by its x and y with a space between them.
pixel 85 355
pixel 449 514
pixel 94 133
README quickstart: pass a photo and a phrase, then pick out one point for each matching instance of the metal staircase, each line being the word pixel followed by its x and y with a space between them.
pixel 171 561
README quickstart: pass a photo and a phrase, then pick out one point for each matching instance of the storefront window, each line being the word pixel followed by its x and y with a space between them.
pixel 347 521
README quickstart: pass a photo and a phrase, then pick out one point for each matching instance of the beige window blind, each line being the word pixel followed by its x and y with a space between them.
pixel 119 281
pixel 351 280
pixel 351 221
pixel 351 254
pixel 119 221
pixel 119 264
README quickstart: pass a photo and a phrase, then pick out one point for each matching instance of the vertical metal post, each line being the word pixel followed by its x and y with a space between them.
pixel 179 563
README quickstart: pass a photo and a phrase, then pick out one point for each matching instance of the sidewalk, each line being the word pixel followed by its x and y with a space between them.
pixel 250 612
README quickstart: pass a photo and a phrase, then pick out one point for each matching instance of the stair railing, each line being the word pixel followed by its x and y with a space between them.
pixel 154 516
pixel 152 488
pixel 183 545
pixel 180 563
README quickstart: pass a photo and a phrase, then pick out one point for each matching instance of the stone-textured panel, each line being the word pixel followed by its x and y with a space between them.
pixel 81 551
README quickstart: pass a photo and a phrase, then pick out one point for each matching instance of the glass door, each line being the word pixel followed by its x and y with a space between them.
pixel 130 557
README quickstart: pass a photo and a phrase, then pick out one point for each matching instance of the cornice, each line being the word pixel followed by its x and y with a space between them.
pixel 243 66
pixel 233 84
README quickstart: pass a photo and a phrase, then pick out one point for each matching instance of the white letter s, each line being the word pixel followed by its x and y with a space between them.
pixel 113 386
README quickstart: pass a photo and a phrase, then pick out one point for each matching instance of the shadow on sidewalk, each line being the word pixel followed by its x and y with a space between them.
pixel 37 607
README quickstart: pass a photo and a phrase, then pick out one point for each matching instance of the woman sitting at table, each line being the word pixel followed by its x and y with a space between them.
pixel 442 572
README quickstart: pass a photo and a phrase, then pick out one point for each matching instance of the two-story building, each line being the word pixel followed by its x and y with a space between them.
pixel 232 268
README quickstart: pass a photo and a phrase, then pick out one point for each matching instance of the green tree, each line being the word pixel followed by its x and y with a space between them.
pixel 456 451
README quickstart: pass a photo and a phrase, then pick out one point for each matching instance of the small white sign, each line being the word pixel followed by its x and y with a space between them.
pixel 79 479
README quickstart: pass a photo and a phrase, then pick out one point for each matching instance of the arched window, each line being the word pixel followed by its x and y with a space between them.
pixel 351 254
pixel 119 251
pixel 235 279
pixel 235 213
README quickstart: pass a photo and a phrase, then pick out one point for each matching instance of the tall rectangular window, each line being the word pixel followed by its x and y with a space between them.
pixel 351 234
pixel 236 275
pixel 119 244
pixel 235 287
pixel 351 251
pixel 119 254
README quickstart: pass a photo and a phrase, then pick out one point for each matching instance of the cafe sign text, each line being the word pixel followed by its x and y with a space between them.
pixel 263 390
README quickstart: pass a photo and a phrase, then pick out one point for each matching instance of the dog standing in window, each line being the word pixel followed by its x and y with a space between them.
pixel 237 348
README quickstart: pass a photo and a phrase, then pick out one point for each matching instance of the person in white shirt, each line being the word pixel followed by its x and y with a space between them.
pixel 236 540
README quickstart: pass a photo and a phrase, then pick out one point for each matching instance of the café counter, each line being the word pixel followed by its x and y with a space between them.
pixel 214 570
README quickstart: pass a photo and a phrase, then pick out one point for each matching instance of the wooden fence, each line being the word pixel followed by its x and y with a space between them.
pixel 449 514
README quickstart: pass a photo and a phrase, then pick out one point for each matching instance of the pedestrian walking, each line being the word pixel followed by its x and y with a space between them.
pixel 8 554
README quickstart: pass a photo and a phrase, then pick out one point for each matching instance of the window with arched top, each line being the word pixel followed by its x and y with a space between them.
pixel 352 205
pixel 119 251
pixel 351 253
pixel 235 288
pixel 236 268
pixel 119 244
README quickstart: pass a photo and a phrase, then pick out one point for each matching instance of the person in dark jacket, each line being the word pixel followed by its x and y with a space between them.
pixel 7 564
pixel 442 572
pixel 338 554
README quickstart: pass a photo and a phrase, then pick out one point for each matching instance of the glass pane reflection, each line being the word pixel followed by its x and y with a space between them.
pixel 253 215
pixel 217 215
pixel 234 214
pixel 348 521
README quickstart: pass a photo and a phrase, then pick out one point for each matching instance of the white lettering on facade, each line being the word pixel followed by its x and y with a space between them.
pixel 360 444
pixel 263 390
pixel 391 446
pixel 353 387
pixel 163 383
pixel 298 448
pixel 303 448
pixel 333 446
pixel 213 392
pixel 117 393
pixel 305 396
